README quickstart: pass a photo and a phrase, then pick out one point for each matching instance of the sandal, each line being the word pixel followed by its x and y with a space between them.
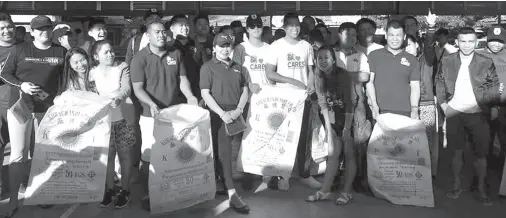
pixel 485 200
pixel 319 196
pixel 455 194
pixel 344 199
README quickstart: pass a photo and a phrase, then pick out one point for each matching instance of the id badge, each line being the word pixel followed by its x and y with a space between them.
pixel 332 117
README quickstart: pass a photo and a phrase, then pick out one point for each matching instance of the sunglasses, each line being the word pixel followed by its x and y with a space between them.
pixel 255 25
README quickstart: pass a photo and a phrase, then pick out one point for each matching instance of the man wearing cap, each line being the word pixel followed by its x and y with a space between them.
pixel 158 76
pixel 496 37
pixel 141 40
pixel 64 36
pixel 253 53
pixel 32 70
pixel 290 64
pixel 224 88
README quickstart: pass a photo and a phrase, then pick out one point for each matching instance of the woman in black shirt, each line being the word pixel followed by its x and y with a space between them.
pixel 334 90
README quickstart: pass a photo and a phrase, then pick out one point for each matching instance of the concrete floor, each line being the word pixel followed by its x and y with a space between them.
pixel 266 203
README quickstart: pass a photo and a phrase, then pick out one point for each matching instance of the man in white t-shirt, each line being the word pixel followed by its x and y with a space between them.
pixel 290 64
pixel 366 28
pixel 253 53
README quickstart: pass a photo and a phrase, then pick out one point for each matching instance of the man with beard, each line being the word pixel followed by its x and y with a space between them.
pixel 467 85
pixel 394 85
pixel 190 51
pixel 158 78
pixel 7 40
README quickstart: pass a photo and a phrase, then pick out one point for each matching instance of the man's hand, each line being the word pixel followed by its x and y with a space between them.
pixel 310 90
pixel 115 102
pixel 193 101
pixel 235 113
pixel 300 85
pixel 375 112
pixel 494 113
pixel 29 88
pixel 154 110
pixel 431 19
pixel 255 88
pixel 227 118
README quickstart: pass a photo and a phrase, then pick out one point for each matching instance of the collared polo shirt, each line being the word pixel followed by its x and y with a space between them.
pixel 225 82
pixel 160 75
pixel 392 75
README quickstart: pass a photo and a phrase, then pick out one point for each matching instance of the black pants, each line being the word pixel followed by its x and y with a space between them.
pixel 222 147
pixel 475 126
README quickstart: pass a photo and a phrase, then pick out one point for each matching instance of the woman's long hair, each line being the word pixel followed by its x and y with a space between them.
pixel 94 51
pixel 70 76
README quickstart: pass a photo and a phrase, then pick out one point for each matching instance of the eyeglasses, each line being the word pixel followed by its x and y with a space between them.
pixel 255 25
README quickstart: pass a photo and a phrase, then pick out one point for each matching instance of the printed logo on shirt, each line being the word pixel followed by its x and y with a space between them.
pixel 295 62
pixel 209 51
pixel 405 62
pixel 48 60
pixel 256 63
pixel 170 61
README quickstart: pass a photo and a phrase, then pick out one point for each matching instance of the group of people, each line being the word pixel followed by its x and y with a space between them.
pixel 353 81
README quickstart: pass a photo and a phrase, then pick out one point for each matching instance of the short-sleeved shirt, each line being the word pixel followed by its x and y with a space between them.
pixel 254 59
pixel 44 68
pixel 225 82
pixel 337 94
pixel 392 77
pixel 292 61
pixel 160 75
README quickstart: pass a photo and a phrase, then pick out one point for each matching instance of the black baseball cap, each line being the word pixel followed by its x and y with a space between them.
pixel 254 20
pixel 63 31
pixel 40 22
pixel 496 33
pixel 222 39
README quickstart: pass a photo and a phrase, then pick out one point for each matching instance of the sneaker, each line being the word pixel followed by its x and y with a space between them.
pixel 311 182
pixel 122 199
pixel 283 184
pixel 107 198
